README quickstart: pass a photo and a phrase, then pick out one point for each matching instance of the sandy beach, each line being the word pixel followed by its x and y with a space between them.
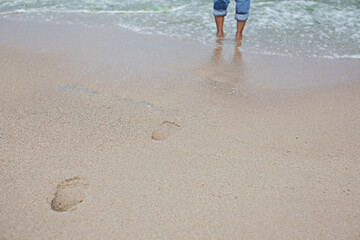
pixel 110 134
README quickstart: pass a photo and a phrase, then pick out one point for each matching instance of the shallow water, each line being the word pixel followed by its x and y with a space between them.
pixel 318 28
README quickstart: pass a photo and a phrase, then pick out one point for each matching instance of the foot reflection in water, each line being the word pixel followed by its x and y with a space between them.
pixel 223 71
pixel 217 58
pixel 237 58
pixel 217 54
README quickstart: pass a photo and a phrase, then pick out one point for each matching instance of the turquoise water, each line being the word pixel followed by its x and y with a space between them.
pixel 318 28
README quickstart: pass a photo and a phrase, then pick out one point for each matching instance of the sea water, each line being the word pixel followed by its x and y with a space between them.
pixel 312 28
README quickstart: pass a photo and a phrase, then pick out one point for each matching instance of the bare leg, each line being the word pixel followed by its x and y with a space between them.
pixel 240 28
pixel 219 26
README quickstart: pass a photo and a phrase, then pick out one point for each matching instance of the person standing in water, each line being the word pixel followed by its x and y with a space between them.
pixel 241 16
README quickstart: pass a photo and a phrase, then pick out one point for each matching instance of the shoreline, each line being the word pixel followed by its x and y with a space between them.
pixel 164 145
pixel 125 49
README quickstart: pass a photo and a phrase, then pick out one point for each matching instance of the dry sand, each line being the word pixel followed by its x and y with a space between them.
pixel 118 145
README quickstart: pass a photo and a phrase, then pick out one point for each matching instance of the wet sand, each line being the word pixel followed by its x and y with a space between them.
pixel 113 135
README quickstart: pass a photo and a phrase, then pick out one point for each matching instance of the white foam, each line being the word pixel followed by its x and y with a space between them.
pixel 164 10
pixel 335 56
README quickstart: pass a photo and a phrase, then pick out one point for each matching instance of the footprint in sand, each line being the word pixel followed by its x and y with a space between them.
pixel 165 130
pixel 69 193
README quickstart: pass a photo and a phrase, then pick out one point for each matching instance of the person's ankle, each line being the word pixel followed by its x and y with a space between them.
pixel 219 34
pixel 238 37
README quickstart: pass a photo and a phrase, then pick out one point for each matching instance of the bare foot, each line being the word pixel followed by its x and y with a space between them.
pixel 220 35
pixel 238 37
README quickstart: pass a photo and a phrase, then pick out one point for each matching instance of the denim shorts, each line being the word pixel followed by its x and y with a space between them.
pixel 242 9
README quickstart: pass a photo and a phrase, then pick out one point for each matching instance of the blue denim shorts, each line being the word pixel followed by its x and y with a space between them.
pixel 242 9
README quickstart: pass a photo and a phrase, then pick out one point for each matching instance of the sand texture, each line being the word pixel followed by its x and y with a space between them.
pixel 134 143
